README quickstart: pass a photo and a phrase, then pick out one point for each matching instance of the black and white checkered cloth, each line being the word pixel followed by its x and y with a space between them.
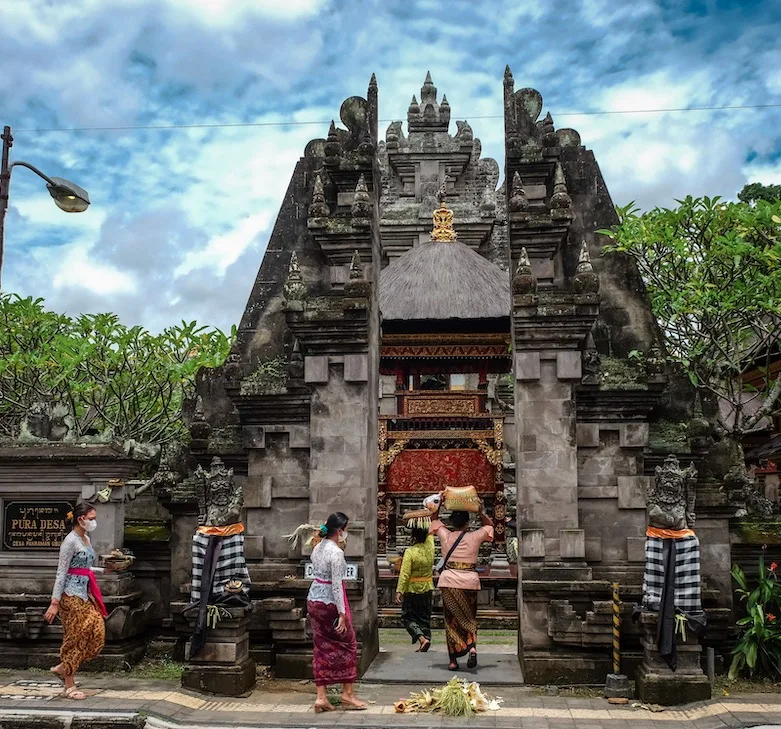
pixel 687 574
pixel 230 564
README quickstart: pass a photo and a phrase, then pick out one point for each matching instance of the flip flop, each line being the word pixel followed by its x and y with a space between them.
pixel 320 708
pixel 472 662
pixel 425 646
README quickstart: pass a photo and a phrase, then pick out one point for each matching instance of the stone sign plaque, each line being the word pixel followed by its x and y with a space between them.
pixel 351 574
pixel 35 525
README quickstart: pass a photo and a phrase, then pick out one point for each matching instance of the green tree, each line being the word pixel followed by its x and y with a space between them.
pixel 108 378
pixel 756 191
pixel 713 275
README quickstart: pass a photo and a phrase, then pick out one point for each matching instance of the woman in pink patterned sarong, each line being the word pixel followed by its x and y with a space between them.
pixel 335 657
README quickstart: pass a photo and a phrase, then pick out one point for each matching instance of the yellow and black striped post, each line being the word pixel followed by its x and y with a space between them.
pixel 616 630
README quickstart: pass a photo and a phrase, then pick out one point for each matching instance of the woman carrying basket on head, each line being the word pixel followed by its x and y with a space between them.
pixel 459 581
pixel 77 600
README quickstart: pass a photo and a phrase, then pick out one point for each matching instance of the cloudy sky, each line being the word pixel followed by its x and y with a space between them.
pixel 181 217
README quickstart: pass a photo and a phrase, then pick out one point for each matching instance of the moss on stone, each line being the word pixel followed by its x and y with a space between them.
pixel 621 374
pixel 756 531
pixel 147 532
pixel 269 378
pixel 669 435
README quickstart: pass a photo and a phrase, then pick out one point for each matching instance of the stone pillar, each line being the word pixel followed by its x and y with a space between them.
pixel 546 449
pixel 655 683
pixel 343 468
pixel 223 666
pixel 110 533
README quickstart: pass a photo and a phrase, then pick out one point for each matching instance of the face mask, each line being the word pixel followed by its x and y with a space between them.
pixel 343 538
pixel 90 526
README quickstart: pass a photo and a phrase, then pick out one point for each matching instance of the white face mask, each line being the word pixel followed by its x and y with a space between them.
pixel 90 526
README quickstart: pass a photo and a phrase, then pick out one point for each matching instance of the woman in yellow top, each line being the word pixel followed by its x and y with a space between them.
pixel 415 587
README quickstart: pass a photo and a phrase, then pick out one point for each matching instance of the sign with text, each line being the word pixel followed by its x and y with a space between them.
pixel 39 525
pixel 350 574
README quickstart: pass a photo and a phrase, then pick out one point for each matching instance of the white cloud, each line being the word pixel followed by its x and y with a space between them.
pixel 79 270
pixel 223 250
pixel 180 219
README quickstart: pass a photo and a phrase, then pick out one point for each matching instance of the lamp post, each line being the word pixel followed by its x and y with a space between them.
pixel 67 196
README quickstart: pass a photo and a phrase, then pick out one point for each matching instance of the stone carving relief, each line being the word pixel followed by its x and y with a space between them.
pixel 220 498
pixel 671 498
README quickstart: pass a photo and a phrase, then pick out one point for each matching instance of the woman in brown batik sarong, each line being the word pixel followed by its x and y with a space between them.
pixel 460 584
pixel 77 600
pixel 335 658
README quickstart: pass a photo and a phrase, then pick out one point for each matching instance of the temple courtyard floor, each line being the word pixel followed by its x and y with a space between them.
pixel 144 699
pixel 31 700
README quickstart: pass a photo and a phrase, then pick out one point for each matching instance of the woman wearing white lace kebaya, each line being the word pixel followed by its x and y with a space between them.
pixel 77 600
pixel 335 658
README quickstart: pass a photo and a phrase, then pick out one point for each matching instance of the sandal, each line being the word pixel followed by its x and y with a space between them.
pixel 73 693
pixel 320 708
pixel 472 662
pixel 452 666
pixel 424 646
pixel 353 705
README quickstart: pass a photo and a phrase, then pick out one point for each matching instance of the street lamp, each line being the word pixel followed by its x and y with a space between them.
pixel 66 195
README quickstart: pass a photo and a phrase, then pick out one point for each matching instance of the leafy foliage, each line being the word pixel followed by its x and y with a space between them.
pixel 108 378
pixel 759 646
pixel 712 273
pixel 757 191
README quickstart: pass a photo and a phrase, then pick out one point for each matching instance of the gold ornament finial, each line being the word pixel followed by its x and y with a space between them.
pixel 443 220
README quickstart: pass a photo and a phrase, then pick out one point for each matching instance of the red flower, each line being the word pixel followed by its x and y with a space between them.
pixel 773 567
pixel 771 617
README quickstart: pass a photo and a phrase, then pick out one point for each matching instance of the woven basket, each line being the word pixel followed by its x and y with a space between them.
pixel 420 519
pixel 462 498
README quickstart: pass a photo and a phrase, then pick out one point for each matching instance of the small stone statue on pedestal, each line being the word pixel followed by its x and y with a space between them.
pixel 220 588
pixel 672 604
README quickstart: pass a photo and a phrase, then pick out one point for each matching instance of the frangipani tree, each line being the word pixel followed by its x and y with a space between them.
pixel 712 270
pixel 124 382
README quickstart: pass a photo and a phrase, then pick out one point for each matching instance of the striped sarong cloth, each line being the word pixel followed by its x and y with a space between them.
pixel 687 574
pixel 230 564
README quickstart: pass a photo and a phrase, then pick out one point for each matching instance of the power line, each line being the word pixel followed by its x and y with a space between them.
pixel 228 125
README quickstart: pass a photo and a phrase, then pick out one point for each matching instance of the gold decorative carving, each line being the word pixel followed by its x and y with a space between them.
pixel 443 221
pixel 440 434
pixel 440 406
pixel 499 433
pixel 382 435
pixel 387 457
pixel 494 455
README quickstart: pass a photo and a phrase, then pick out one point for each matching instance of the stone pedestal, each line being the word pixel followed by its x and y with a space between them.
pixel 223 666
pixel 655 683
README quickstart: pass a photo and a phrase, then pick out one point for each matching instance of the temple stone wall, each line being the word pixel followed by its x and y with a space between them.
pixel 276 492
pixel 611 494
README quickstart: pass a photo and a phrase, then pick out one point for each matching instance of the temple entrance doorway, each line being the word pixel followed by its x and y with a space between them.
pixel 441 430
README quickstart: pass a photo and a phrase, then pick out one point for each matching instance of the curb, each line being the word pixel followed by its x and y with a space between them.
pixel 58 719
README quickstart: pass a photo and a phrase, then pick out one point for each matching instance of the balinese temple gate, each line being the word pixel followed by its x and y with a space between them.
pixel 416 324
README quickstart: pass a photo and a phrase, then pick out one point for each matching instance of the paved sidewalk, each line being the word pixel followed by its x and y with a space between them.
pixel 28 700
